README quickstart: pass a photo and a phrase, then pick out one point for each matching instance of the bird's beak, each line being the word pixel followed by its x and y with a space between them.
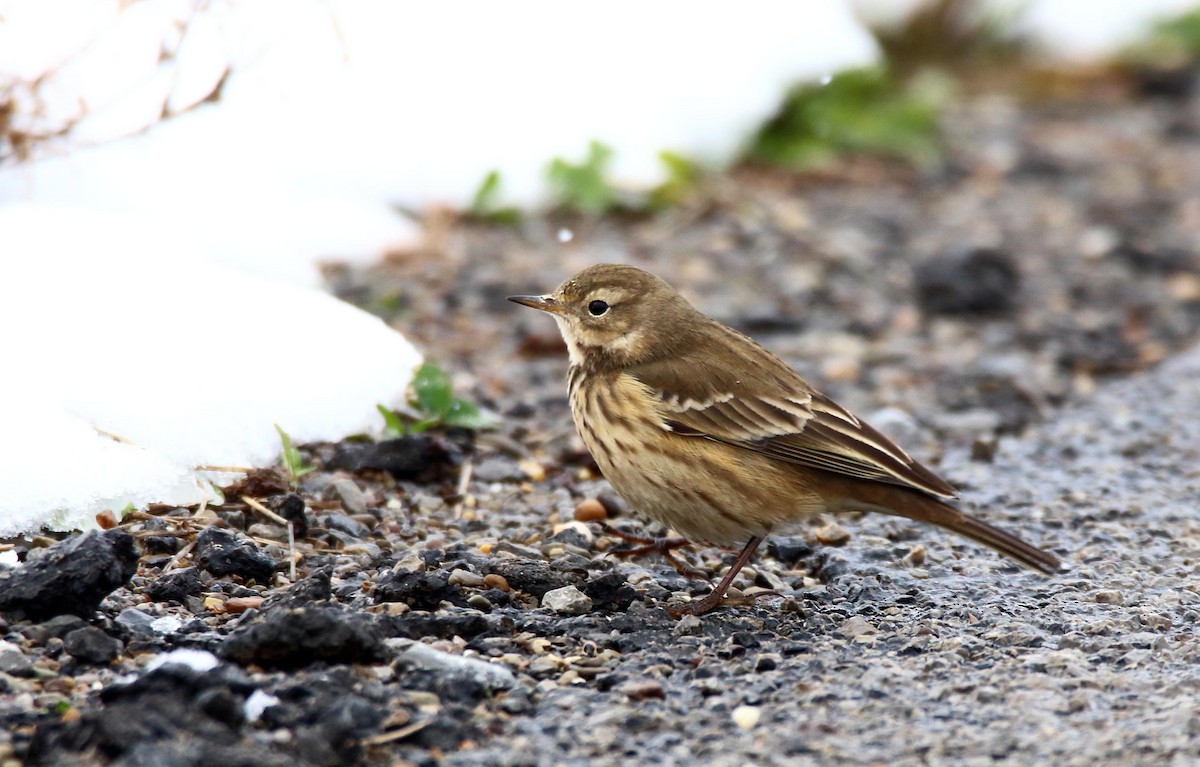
pixel 545 303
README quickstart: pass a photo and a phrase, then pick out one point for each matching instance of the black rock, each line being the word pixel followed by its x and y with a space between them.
pixel 71 577
pixel 609 591
pixel 423 591
pixel 443 624
pixel 968 281
pixel 91 645
pixel 529 575
pixel 291 508
pixel 222 553
pixel 173 715
pixel 345 524
pixel 789 550
pixel 419 456
pixel 290 638
pixel 307 590
pixel 176 586
pixel 58 626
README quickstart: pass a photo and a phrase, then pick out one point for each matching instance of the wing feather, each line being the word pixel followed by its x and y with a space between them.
pixel 763 405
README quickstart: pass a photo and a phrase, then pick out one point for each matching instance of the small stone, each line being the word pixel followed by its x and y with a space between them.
pixel 496 581
pixel 590 510
pixel 532 469
pixel 464 578
pixel 832 534
pixel 13 661
pixel 1110 597
pixel 354 501
pixel 856 627
pixel 642 689
pixel 91 645
pixel 746 717
pixel 969 281
pixel 480 602
pixel 242 604
pixel 916 557
pixel 410 654
pixel 688 624
pixel 411 562
pixel 767 662
pixel 223 553
pixel 567 600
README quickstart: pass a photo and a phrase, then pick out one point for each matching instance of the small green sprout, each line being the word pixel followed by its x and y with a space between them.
pixel 585 188
pixel 857 111
pixel 290 458
pixel 485 207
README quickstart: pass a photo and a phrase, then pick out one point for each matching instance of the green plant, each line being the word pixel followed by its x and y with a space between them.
pixel 585 187
pixel 290 458
pixel 485 207
pixel 432 399
pixel 1172 42
pixel 856 111
pixel 682 177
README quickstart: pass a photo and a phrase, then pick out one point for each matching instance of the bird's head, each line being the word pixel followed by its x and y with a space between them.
pixel 612 314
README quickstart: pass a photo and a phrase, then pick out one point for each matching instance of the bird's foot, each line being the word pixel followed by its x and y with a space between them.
pixel 714 600
pixel 663 547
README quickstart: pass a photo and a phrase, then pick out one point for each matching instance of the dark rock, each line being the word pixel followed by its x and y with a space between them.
pixel 312 588
pixel 160 544
pixel 529 575
pixel 58 626
pixel 176 586
pixel 423 591
pixel 223 553
pixel 135 622
pixel 1014 406
pixel 466 623
pixel 420 456
pixel 610 591
pixel 290 638
pixel 789 550
pixel 291 508
pixel 571 537
pixel 91 645
pixel 968 281
pixel 71 577
pixel 173 715
pixel 1155 260
pixel 344 524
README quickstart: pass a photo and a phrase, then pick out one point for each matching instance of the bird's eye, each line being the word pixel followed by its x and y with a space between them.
pixel 597 308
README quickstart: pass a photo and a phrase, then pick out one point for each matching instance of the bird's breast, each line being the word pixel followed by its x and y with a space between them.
pixel 706 491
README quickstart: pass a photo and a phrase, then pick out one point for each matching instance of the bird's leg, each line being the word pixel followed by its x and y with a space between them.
pixel 717 596
pixel 664 547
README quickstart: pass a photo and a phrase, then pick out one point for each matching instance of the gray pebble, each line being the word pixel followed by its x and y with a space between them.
pixel 567 600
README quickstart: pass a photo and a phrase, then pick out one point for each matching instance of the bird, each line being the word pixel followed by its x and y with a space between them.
pixel 704 431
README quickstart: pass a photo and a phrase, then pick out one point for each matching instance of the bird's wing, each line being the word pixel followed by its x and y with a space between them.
pixel 763 405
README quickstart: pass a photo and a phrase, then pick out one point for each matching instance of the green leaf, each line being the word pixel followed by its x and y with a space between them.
pixel 467 415
pixel 857 111
pixel 393 424
pixel 485 205
pixel 682 177
pixel 585 187
pixel 431 391
pixel 290 458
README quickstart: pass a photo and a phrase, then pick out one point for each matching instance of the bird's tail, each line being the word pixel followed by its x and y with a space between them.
pixel 900 502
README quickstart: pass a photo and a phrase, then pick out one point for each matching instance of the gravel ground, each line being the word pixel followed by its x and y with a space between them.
pixel 1023 319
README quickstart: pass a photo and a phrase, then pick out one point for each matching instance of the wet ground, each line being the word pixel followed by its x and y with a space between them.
pixel 1023 319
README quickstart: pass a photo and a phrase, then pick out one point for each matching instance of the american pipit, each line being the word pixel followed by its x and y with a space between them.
pixel 704 431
